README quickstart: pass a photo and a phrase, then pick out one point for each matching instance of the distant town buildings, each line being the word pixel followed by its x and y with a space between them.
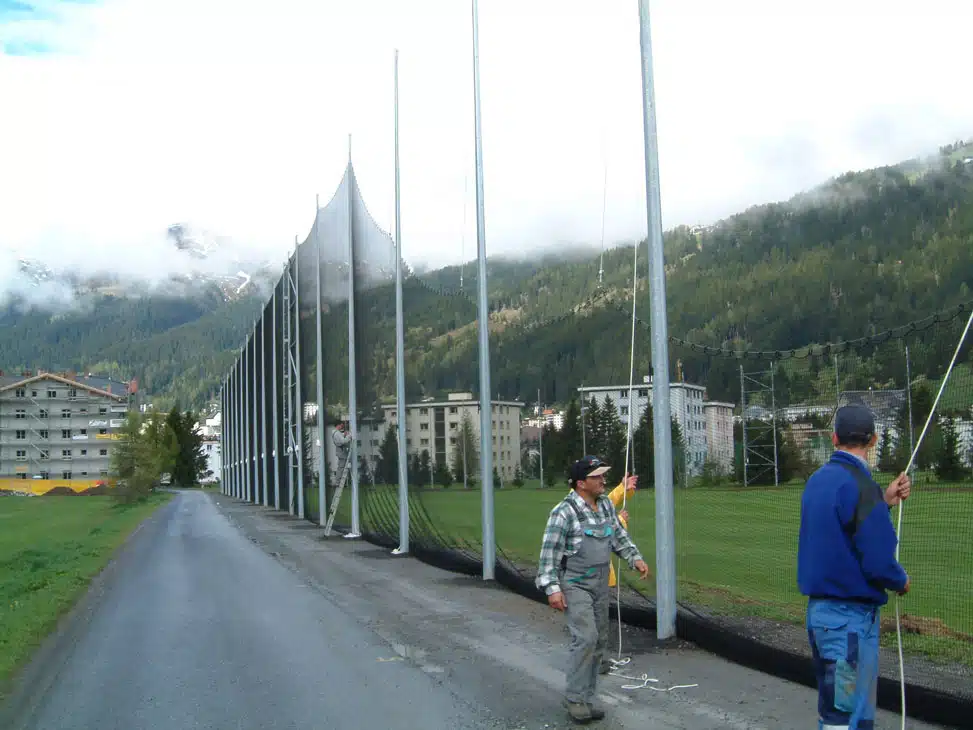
pixel 58 430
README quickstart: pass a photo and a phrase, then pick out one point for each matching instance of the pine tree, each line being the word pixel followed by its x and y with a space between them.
pixel 387 469
pixel 190 461
pixel 886 452
pixel 592 426
pixel 425 474
pixel 949 463
pixel 441 474
pixel 465 454
pixel 570 434
pixel 147 449
pixel 615 436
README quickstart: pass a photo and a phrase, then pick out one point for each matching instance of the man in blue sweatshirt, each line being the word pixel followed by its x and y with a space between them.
pixel 845 564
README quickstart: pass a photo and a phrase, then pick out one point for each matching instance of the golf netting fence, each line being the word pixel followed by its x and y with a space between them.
pixel 747 430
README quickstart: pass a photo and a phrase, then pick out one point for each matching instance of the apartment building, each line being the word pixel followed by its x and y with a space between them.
pixel 434 426
pixel 58 429
pixel 687 404
pixel 718 417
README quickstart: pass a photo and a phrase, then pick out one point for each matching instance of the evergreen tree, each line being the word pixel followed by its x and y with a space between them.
pixel 949 463
pixel 190 461
pixel 597 434
pixel 441 474
pixel 886 452
pixel 589 423
pixel 387 469
pixel 570 434
pixel 615 436
pixel 643 450
pixel 466 454
pixel 146 450
pixel 414 471
pixel 425 474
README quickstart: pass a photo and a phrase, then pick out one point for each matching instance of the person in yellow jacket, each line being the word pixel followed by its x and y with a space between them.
pixel 617 495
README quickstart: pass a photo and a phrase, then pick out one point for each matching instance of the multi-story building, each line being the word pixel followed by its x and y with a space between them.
pixel 58 429
pixel 719 434
pixel 686 404
pixel 214 461
pixel 435 426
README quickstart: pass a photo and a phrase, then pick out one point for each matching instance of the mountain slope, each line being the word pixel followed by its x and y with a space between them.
pixel 860 254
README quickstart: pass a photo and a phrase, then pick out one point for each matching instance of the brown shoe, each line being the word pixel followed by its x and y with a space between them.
pixel 580 712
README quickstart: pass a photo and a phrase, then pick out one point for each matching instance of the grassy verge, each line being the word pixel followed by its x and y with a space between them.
pixel 50 549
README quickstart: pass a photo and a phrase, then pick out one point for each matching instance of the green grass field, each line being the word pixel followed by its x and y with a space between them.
pixel 50 549
pixel 736 549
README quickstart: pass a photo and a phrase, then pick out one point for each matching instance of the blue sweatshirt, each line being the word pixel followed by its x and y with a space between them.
pixel 846 549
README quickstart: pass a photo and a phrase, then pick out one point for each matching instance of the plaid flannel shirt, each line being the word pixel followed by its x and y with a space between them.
pixel 563 534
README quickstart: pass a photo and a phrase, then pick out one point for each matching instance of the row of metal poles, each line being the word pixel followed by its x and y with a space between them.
pixel 262 442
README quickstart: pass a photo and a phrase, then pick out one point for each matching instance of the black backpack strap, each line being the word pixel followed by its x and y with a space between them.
pixel 870 494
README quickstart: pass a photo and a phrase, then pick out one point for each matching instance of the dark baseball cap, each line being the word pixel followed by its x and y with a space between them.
pixel 588 466
pixel 854 423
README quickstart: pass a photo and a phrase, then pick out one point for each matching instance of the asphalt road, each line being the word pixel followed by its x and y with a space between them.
pixel 200 628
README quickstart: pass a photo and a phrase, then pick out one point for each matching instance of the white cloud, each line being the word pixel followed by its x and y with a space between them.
pixel 232 115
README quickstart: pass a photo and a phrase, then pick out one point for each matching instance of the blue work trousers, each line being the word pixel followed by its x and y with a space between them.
pixel 844 637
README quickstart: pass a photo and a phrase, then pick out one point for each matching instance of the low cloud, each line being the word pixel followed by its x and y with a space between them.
pixel 125 118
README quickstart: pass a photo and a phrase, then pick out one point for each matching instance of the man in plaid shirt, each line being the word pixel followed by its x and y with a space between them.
pixel 581 534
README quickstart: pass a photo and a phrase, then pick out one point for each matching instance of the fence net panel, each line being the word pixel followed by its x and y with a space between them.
pixel 747 430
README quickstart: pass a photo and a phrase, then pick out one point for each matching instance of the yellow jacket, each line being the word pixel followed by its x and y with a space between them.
pixel 616 496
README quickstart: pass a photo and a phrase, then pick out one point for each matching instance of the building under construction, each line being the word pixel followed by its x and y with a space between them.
pixel 59 429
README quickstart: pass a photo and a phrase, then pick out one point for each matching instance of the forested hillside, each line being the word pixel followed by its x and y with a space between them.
pixel 861 254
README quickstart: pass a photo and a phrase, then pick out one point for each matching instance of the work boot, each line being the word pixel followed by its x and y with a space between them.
pixel 605 667
pixel 580 712
pixel 596 714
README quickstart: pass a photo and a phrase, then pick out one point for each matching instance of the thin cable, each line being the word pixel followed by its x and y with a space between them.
pixel 898 529
pixel 604 207
pixel 462 255
pixel 628 439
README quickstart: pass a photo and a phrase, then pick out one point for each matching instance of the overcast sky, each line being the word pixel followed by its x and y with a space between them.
pixel 121 117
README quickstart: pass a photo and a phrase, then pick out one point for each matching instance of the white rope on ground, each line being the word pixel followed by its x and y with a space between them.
pixel 645 679
pixel 898 529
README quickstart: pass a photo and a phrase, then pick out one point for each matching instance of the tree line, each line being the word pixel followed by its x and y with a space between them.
pixel 152 445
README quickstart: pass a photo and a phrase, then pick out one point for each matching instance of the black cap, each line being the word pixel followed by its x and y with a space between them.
pixel 587 466
pixel 854 424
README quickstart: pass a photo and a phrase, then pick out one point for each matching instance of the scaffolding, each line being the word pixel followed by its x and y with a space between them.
pixel 759 432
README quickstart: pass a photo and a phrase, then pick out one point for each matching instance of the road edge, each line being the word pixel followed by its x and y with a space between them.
pixel 28 687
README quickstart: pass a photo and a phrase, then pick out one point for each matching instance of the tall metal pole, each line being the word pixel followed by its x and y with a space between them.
pixel 238 479
pixel 743 422
pixel 245 421
pixel 322 451
pixel 352 367
pixel 540 435
pixel 256 421
pixel 665 539
pixel 263 407
pixel 275 397
pixel 223 454
pixel 299 409
pixel 486 415
pixel 773 424
pixel 227 434
pixel 400 344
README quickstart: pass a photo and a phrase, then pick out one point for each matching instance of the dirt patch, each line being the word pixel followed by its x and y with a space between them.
pixel 924 627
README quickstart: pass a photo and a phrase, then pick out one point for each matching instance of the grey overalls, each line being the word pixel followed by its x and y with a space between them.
pixel 584 580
